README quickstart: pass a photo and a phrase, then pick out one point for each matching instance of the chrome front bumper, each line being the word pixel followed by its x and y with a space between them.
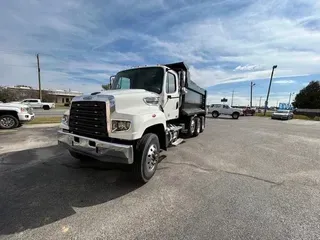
pixel 102 151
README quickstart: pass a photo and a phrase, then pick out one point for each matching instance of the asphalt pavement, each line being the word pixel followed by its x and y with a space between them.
pixel 252 178
pixel 56 112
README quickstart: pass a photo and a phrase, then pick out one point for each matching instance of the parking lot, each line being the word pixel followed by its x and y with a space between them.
pixel 252 178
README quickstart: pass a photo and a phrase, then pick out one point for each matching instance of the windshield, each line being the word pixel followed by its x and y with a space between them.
pixel 150 79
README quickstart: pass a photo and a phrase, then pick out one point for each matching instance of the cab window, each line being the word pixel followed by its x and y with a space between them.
pixel 171 86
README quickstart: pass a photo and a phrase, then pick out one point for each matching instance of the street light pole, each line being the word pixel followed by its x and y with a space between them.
pixel 266 102
pixel 290 98
pixel 232 98
pixel 252 84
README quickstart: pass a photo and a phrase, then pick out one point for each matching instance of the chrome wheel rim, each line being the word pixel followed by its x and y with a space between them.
pixel 192 125
pixel 198 126
pixel 7 122
pixel 152 158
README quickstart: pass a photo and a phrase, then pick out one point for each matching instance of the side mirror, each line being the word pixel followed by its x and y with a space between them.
pixel 183 91
pixel 111 80
pixel 182 79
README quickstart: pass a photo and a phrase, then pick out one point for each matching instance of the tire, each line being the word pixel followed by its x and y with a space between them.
pixel 78 156
pixel 191 127
pixel 46 107
pixel 197 129
pixel 215 114
pixel 8 122
pixel 235 115
pixel 203 123
pixel 146 157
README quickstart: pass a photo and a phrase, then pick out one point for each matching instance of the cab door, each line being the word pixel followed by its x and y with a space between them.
pixel 171 95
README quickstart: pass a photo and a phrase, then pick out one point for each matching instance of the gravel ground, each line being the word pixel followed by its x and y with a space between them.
pixel 252 178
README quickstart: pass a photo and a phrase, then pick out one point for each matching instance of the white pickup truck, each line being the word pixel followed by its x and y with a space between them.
pixel 37 103
pixel 223 109
pixel 12 115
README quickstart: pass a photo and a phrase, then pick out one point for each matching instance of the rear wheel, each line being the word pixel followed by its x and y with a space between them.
pixel 46 107
pixel 146 157
pixel 203 123
pixel 197 126
pixel 215 114
pixel 8 122
pixel 191 126
pixel 235 115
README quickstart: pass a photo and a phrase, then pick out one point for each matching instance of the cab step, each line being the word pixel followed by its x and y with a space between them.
pixel 177 142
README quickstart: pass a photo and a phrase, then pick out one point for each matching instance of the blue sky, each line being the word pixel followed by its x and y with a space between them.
pixel 226 43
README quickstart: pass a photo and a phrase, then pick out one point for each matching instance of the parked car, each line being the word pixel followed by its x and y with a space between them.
pixel 37 103
pixel 249 111
pixel 13 115
pixel 282 114
pixel 223 109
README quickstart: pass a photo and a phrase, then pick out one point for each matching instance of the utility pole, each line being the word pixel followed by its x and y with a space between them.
pixel 39 79
pixel 260 102
pixel 266 102
pixel 232 98
pixel 251 84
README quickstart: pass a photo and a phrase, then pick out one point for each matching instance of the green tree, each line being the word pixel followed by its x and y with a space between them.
pixel 106 86
pixel 7 95
pixel 308 97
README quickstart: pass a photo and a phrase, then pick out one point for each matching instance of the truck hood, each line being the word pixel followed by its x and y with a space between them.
pixel 124 100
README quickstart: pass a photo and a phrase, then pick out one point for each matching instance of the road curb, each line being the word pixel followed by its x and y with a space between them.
pixel 42 125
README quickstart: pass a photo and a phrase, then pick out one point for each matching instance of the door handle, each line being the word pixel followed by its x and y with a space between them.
pixel 177 105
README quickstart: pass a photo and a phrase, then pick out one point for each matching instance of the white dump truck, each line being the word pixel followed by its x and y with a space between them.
pixel 146 111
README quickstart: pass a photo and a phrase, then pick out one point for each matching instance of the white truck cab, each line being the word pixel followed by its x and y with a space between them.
pixel 146 110
pixel 224 109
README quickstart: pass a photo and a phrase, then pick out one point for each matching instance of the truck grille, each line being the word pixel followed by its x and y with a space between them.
pixel 88 118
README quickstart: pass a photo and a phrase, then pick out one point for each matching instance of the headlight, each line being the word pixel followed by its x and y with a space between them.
pixel 65 119
pixel 23 109
pixel 120 125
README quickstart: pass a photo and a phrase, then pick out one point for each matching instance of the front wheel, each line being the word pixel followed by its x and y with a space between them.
pixel 8 122
pixel 235 115
pixel 46 107
pixel 146 157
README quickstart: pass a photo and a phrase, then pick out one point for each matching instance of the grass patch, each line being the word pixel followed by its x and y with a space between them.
pixel 41 120
pixel 61 106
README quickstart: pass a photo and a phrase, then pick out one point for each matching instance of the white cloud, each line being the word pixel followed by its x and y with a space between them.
pixel 284 82
pixel 230 41
pixel 247 67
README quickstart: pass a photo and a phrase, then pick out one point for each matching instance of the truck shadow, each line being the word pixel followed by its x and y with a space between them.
pixel 41 186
